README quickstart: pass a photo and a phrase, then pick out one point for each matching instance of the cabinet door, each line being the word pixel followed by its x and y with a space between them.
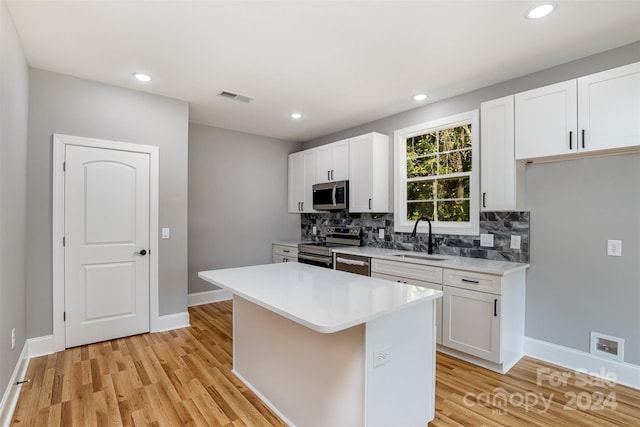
pixel 360 174
pixel 309 161
pixel 609 109
pixel 301 177
pixel 423 284
pixel 501 177
pixel 340 163
pixel 296 182
pixel 546 121
pixel 323 163
pixel 471 323
pixel 332 162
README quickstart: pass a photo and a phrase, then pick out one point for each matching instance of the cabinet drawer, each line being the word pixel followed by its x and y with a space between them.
pixel 287 251
pixel 473 281
pixel 407 269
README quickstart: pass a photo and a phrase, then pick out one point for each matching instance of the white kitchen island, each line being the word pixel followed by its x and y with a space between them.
pixel 327 348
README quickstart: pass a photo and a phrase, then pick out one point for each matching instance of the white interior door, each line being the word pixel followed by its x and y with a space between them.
pixel 106 222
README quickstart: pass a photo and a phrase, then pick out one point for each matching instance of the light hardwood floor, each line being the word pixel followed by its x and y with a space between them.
pixel 183 377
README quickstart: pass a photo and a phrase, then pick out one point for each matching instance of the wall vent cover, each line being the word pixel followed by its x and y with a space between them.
pixel 235 96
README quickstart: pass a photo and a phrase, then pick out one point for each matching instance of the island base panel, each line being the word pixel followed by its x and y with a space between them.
pixel 308 378
pixel 401 392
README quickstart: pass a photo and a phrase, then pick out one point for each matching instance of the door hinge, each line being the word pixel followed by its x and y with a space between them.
pixel 64 166
pixel 64 316
pixel 64 241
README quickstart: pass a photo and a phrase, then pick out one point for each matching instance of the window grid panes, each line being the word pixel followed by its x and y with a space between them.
pixel 439 165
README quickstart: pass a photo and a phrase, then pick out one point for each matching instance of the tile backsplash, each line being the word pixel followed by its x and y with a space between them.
pixel 501 224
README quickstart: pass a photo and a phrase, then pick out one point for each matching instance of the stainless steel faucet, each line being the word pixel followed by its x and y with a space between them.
pixel 430 244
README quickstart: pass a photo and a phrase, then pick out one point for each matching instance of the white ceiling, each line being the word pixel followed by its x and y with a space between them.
pixel 340 63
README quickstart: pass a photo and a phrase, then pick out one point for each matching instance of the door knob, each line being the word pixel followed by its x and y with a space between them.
pixel 141 253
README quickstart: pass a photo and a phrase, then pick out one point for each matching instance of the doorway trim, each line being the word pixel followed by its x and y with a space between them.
pixel 59 145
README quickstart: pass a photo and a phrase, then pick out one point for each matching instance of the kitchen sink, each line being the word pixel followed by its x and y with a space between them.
pixel 420 257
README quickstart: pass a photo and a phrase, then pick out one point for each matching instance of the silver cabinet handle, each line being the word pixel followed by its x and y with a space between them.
pixel 328 175
pixel 370 204
pixel 470 281
pixel 331 174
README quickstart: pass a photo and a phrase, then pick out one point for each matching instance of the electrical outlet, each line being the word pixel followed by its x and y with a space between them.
pixel 381 356
pixel 515 242
pixel 13 338
pixel 614 247
pixel 165 233
pixel 381 233
pixel 314 230
pixel 486 240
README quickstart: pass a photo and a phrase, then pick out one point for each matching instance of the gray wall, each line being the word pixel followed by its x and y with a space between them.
pixel 562 302
pixel 237 200
pixel 471 101
pixel 14 93
pixel 72 106
pixel 573 287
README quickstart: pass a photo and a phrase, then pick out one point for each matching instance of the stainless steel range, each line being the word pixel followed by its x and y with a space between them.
pixel 316 253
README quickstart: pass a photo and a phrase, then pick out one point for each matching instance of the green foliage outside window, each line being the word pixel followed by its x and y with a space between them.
pixel 439 174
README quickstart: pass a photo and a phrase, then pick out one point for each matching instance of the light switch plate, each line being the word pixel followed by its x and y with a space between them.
pixel 314 230
pixel 381 233
pixel 486 240
pixel 515 242
pixel 614 247
pixel 165 233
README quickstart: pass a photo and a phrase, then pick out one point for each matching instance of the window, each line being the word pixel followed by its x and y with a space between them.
pixel 437 175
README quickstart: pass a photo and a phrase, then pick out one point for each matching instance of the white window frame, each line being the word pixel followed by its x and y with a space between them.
pixel 401 224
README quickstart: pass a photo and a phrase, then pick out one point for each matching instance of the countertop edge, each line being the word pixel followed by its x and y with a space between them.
pixel 444 264
pixel 315 327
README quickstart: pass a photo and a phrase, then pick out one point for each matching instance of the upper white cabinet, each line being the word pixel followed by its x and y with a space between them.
pixel 593 113
pixel 332 162
pixel 369 173
pixel 609 109
pixel 302 167
pixel 501 177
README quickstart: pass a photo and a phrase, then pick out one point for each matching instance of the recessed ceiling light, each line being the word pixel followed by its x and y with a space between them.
pixel 142 77
pixel 540 11
pixel 295 115
pixel 420 97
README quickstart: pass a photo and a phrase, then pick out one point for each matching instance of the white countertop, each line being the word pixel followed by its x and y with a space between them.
pixel 292 244
pixel 445 261
pixel 321 299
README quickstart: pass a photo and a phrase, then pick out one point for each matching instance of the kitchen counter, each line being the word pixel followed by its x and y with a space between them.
pixel 321 299
pixel 327 348
pixel 445 261
pixel 292 244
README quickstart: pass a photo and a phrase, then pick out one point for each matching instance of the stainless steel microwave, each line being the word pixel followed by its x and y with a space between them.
pixel 331 196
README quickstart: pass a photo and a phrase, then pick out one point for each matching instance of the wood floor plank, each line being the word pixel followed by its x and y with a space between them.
pixel 183 377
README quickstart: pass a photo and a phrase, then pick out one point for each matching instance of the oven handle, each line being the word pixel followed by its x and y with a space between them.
pixel 314 258
pixel 351 261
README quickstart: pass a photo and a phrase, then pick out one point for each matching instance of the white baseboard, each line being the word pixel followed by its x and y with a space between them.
pixel 40 346
pixel 173 321
pixel 10 396
pixel 208 297
pixel 625 373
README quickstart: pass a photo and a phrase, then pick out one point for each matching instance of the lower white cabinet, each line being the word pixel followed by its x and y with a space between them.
pixel 472 323
pixel 483 316
pixel 480 317
pixel 284 253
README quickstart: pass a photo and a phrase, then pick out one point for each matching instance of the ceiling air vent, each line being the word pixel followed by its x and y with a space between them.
pixel 235 96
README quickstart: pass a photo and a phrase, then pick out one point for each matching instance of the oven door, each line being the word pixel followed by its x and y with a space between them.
pixel 317 260
pixel 353 264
